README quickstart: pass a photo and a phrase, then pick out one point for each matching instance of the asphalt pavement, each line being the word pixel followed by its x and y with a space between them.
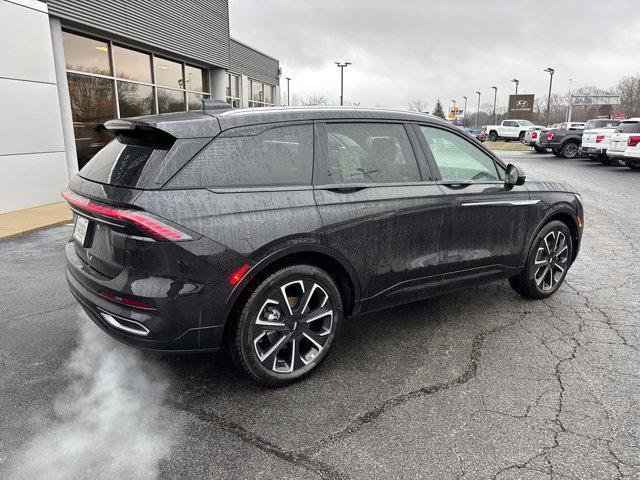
pixel 479 384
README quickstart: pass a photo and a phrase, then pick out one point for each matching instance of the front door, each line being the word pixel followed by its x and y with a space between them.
pixel 487 221
pixel 377 211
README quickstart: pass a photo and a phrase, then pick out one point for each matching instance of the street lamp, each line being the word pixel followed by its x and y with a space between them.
pixel 341 66
pixel 550 71
pixel 478 114
pixel 288 90
pixel 454 110
pixel 516 81
pixel 495 98
pixel 464 113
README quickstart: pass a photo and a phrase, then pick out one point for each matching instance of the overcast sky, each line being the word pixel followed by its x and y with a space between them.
pixel 427 49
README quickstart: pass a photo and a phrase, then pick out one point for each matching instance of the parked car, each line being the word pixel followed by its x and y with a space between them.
pixel 621 140
pixel 509 130
pixel 565 140
pixel 254 228
pixel 596 136
pixel 477 133
pixel 532 138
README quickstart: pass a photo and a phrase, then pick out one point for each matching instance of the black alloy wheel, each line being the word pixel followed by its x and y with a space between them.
pixel 287 325
pixel 569 150
pixel 547 263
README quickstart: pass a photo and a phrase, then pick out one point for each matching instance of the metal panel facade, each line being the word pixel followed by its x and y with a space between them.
pixel 256 65
pixel 195 29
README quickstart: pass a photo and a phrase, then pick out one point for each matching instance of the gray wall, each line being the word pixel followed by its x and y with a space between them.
pixel 256 65
pixel 196 29
pixel 33 167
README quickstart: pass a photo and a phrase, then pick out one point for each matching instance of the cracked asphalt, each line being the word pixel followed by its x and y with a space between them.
pixel 482 384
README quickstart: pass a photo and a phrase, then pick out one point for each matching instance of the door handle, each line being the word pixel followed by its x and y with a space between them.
pixel 345 189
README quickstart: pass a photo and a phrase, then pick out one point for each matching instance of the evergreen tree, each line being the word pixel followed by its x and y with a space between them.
pixel 438 111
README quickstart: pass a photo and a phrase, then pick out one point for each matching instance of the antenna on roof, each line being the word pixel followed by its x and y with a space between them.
pixel 215 104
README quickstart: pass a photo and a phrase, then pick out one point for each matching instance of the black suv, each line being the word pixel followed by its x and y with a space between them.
pixel 261 229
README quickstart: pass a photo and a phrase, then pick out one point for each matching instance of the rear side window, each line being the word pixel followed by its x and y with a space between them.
pixel 370 153
pixel 629 127
pixel 124 161
pixel 248 156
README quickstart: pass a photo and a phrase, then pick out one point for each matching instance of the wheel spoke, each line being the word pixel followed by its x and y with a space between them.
pixel 317 315
pixel 540 278
pixel 273 349
pixel 264 326
pixel 317 339
pixel 286 297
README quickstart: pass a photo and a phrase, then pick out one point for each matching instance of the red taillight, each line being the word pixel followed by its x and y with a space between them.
pixel 599 138
pixel 549 136
pixel 129 302
pixel 534 135
pixel 141 220
pixel 633 141
pixel 238 274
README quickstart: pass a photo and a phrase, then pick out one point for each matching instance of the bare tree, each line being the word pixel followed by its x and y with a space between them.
pixel 629 89
pixel 418 106
pixel 309 100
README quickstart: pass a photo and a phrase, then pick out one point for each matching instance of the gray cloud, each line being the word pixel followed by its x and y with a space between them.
pixel 403 50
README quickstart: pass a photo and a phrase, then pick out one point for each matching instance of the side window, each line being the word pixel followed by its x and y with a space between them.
pixel 252 156
pixel 370 153
pixel 511 124
pixel 458 159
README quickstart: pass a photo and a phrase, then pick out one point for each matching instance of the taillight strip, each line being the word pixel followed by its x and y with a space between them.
pixel 141 220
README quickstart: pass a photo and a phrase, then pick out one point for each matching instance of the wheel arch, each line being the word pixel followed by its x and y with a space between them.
pixel 317 255
pixel 564 215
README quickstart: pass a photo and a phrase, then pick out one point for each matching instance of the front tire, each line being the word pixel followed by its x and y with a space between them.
pixel 538 149
pixel 547 263
pixel 493 136
pixel 287 325
pixel 633 164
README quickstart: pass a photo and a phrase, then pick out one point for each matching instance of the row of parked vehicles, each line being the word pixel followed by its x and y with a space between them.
pixel 609 140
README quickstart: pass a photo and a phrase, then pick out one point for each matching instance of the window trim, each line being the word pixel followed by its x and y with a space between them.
pixel 321 156
pixel 434 166
pixel 228 98
pixel 257 103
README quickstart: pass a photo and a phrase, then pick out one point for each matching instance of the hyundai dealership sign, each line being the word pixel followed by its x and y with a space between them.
pixel 521 107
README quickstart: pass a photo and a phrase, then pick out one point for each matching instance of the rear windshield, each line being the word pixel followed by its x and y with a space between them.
pixel 123 161
pixel 629 127
pixel 604 123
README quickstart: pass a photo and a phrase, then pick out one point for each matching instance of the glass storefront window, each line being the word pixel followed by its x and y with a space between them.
pixel 132 65
pixel 257 91
pixel 268 94
pixel 195 100
pixel 92 104
pixel 262 94
pixel 168 73
pixel 233 90
pixel 170 100
pixel 196 79
pixel 135 99
pixel 84 54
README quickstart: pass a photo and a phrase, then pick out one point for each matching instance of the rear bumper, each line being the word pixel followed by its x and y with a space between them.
pixel 140 328
pixel 593 151
pixel 615 153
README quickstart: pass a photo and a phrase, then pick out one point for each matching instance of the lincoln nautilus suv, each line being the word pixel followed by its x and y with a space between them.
pixel 260 230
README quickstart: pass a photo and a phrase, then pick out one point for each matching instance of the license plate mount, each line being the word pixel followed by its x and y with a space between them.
pixel 80 231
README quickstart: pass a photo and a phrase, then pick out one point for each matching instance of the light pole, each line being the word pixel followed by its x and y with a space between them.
pixel 495 99
pixel 454 110
pixel 341 65
pixel 288 90
pixel 478 114
pixel 464 113
pixel 517 82
pixel 551 71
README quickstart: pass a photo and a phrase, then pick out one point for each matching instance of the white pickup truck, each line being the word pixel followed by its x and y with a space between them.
pixel 596 136
pixel 509 130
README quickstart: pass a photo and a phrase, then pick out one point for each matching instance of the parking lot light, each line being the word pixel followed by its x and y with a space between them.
pixel 517 82
pixel 495 98
pixel 551 71
pixel 478 114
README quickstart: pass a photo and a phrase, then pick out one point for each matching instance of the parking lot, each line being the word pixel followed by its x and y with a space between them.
pixel 481 384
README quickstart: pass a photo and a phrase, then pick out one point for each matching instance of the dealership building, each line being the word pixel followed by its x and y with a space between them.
pixel 67 66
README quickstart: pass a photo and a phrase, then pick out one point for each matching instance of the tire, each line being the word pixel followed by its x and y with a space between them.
pixel 547 263
pixel 556 153
pixel 278 342
pixel 538 149
pixel 605 160
pixel 521 136
pixel 633 164
pixel 569 150
pixel 493 136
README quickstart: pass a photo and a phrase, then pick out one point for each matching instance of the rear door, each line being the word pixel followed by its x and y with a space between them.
pixel 379 208
pixel 487 222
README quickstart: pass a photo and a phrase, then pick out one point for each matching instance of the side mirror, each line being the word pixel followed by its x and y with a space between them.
pixel 514 176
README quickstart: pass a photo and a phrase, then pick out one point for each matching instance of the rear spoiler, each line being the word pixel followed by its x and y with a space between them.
pixel 192 124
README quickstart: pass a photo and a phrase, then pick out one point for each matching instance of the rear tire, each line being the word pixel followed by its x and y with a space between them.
pixel 521 136
pixel 547 263
pixel 287 326
pixel 538 149
pixel 633 164
pixel 605 160
pixel 569 150
pixel 493 136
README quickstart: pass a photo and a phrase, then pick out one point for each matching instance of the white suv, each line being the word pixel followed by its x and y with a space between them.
pixel 621 139
pixel 596 138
